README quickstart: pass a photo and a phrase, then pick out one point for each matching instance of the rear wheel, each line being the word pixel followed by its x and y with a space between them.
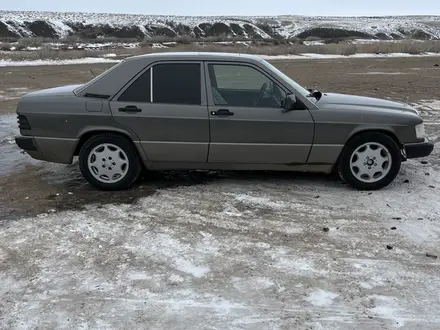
pixel 109 162
pixel 370 161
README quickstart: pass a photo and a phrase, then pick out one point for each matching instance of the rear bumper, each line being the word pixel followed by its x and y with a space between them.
pixel 419 149
pixel 56 150
pixel 27 143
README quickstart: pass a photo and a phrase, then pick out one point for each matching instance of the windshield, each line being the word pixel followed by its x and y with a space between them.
pixel 283 76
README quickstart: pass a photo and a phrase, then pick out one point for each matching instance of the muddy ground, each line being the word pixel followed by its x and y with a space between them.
pixel 223 250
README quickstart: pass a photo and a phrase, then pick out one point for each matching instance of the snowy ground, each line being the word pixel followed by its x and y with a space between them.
pixel 231 254
pixel 234 251
pixel 87 60
pixel 113 58
pixel 237 251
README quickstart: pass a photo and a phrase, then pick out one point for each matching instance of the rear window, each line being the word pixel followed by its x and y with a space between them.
pixel 177 83
pixel 81 88
pixel 139 91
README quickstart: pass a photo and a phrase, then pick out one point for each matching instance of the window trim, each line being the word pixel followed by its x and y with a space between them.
pixel 203 91
pixel 151 84
pixel 253 66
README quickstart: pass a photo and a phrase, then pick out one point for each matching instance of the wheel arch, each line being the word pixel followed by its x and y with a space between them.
pixel 87 134
pixel 361 131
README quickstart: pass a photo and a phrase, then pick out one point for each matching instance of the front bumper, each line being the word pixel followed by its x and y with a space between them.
pixel 419 149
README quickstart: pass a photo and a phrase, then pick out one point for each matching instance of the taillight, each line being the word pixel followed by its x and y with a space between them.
pixel 23 123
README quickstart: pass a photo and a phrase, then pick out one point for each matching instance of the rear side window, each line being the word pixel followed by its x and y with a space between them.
pixel 139 91
pixel 177 83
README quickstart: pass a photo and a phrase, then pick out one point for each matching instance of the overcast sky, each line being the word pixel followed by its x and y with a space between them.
pixel 234 7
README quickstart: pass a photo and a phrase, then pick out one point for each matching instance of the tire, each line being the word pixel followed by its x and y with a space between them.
pixel 109 162
pixel 370 161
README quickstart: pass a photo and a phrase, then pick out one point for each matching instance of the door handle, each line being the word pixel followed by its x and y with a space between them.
pixel 222 112
pixel 130 108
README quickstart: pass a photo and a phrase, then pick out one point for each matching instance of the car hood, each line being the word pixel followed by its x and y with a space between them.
pixel 332 101
pixel 56 91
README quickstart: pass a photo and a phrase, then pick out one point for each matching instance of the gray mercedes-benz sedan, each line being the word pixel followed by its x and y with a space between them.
pixel 215 111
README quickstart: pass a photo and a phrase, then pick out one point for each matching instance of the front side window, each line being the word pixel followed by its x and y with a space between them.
pixel 177 83
pixel 245 86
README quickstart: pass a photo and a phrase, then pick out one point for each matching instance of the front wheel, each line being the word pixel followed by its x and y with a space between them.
pixel 370 161
pixel 109 162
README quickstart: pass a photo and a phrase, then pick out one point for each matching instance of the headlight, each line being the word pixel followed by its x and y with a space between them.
pixel 420 131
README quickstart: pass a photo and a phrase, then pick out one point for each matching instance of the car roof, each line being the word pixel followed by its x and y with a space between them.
pixel 196 55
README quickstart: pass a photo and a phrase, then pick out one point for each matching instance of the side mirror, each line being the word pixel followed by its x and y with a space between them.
pixel 289 102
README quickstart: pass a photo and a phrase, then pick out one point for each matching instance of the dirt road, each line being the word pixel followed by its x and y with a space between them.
pixel 223 250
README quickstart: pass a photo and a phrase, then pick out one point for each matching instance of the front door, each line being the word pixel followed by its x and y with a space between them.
pixel 166 107
pixel 247 120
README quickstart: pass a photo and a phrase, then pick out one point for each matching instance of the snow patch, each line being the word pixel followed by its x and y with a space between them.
pixel 167 247
pixel 258 201
pixel 432 104
pixel 111 58
pixel 388 308
pixel 313 43
pixel 86 60
pixel 321 298
pixel 189 268
pixel 379 73
pixel 312 56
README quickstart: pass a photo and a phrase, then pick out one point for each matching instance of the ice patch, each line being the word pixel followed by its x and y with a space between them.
pixel 321 298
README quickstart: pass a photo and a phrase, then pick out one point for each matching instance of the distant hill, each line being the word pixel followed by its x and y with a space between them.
pixel 18 24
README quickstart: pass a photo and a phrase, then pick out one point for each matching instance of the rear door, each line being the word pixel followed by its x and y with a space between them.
pixel 165 105
pixel 247 120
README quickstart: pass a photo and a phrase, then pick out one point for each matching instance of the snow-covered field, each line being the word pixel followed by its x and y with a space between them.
pixel 250 253
pixel 87 60
pixel 239 251
pixel 113 58
pixel 286 26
